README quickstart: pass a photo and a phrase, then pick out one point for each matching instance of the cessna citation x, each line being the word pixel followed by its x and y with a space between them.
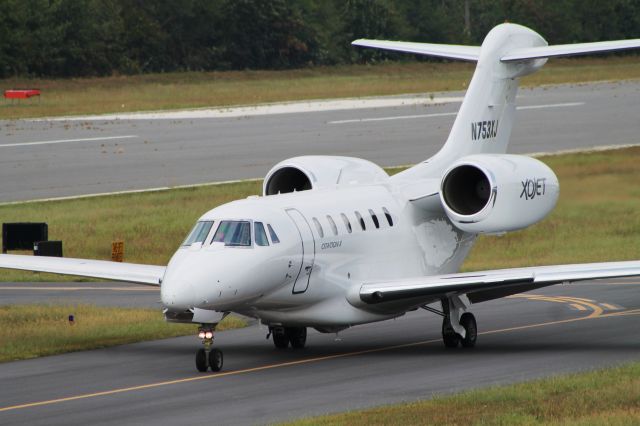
pixel 334 241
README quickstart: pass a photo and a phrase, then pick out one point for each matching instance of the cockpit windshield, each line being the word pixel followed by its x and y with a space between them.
pixel 233 233
pixel 199 233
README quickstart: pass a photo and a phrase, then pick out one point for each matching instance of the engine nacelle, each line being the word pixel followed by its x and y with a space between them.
pixel 315 171
pixel 495 193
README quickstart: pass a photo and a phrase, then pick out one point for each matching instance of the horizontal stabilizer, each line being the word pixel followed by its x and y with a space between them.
pixel 569 50
pixel 116 271
pixel 451 51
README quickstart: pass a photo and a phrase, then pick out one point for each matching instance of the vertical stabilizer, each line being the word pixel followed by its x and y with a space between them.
pixel 485 119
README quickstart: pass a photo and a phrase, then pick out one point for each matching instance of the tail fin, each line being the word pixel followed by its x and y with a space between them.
pixel 485 118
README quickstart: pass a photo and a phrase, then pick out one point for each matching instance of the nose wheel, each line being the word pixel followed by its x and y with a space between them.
pixel 208 357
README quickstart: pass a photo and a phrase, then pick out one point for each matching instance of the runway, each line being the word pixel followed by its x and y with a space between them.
pixel 555 330
pixel 64 158
pixel 94 293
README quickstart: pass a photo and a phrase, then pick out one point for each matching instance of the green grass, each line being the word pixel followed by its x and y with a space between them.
pixel 30 331
pixel 609 396
pixel 596 219
pixel 199 89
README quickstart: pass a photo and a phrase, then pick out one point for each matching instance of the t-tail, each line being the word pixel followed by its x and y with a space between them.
pixel 485 119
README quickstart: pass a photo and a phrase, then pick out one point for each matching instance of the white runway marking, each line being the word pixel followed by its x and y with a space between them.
pixel 445 114
pixel 271 109
pixel 104 138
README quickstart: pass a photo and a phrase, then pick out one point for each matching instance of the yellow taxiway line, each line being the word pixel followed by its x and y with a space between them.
pixel 594 315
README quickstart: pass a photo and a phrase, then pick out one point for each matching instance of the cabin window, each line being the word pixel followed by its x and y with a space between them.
pixel 261 235
pixel 347 224
pixel 318 227
pixel 199 233
pixel 361 220
pixel 233 233
pixel 274 237
pixel 388 216
pixel 375 219
pixel 334 228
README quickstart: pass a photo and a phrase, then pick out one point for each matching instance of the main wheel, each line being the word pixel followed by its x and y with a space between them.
pixel 297 336
pixel 215 360
pixel 468 321
pixel 449 337
pixel 201 360
pixel 280 339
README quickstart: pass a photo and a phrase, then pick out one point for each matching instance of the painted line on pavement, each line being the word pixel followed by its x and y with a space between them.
pixel 297 362
pixel 67 288
pixel 270 109
pixel 446 114
pixel 54 142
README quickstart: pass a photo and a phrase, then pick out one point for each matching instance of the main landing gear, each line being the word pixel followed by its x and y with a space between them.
pixel 283 336
pixel 458 326
pixel 208 357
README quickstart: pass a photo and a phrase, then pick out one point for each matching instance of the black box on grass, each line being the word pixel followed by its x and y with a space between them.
pixel 22 236
pixel 47 248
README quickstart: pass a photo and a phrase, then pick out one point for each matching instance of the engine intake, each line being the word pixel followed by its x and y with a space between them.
pixel 317 171
pixel 287 179
pixel 466 190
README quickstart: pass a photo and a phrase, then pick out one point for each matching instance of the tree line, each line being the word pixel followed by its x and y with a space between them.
pixel 70 38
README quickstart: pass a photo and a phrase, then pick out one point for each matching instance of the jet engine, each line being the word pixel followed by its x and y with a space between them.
pixel 495 193
pixel 313 172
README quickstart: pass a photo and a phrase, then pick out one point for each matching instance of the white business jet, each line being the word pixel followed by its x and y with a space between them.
pixel 334 241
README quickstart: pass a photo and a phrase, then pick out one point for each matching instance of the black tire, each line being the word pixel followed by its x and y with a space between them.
pixel 297 336
pixel 468 321
pixel 449 337
pixel 280 340
pixel 215 359
pixel 201 360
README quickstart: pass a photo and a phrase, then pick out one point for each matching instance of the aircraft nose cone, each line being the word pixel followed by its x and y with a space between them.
pixel 177 295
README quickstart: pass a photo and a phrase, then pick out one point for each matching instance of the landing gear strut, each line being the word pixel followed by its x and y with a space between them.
pixel 283 336
pixel 208 357
pixel 458 326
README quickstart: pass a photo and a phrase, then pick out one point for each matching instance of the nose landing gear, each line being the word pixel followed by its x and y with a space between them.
pixel 208 357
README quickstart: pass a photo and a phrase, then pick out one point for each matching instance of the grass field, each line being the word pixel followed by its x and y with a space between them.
pixel 30 331
pixel 597 210
pixel 193 90
pixel 610 396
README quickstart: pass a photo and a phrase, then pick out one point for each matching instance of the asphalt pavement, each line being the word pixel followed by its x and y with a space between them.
pixel 560 329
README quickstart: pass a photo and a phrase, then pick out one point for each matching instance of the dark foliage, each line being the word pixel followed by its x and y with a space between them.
pixel 66 38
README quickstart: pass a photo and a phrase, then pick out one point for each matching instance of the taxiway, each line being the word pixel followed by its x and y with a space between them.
pixel 550 331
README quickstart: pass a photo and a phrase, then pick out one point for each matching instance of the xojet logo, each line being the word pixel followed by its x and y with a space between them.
pixel 531 188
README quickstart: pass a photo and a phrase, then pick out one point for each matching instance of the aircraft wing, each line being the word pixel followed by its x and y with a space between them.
pixel 129 272
pixel 451 51
pixel 487 285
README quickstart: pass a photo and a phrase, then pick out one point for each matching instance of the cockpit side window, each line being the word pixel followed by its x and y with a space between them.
pixel 274 237
pixel 261 235
pixel 233 233
pixel 199 232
